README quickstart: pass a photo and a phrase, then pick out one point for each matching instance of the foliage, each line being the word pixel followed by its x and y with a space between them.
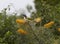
pixel 16 30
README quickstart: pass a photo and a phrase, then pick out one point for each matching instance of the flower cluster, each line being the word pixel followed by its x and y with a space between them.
pixel 37 19
pixel 58 29
pixel 48 25
pixel 21 31
pixel 20 21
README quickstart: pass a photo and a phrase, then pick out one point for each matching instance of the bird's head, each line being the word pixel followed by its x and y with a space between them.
pixel 24 16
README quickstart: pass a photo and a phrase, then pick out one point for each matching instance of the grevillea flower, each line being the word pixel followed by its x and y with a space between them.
pixel 21 31
pixel 58 29
pixel 37 19
pixel 48 25
pixel 20 21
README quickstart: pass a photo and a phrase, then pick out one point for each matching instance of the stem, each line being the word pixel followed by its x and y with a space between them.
pixel 36 36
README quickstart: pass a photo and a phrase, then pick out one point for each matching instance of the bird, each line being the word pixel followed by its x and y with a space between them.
pixel 26 18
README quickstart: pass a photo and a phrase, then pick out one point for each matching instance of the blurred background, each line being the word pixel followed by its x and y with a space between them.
pixel 29 21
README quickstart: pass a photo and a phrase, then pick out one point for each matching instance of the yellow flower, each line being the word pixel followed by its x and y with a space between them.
pixel 20 21
pixel 21 31
pixel 48 25
pixel 37 19
pixel 58 29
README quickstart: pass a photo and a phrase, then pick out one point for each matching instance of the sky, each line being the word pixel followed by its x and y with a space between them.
pixel 17 6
